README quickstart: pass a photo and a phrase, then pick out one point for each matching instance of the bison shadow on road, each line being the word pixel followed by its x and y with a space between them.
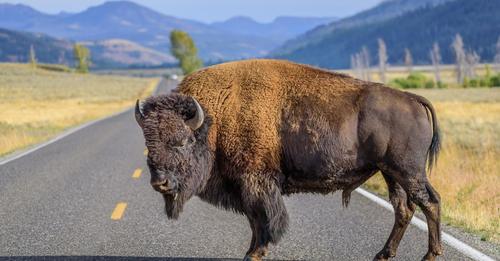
pixel 115 258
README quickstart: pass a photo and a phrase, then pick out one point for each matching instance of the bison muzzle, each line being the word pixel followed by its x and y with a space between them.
pixel 241 135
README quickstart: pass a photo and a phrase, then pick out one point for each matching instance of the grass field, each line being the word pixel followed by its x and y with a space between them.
pixel 468 171
pixel 36 104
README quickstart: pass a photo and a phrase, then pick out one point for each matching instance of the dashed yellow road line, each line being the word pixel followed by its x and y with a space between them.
pixel 145 152
pixel 137 173
pixel 119 210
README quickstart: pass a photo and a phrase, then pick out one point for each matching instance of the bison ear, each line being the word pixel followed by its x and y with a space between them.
pixel 196 122
pixel 139 117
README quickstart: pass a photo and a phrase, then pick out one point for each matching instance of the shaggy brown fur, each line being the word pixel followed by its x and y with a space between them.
pixel 275 127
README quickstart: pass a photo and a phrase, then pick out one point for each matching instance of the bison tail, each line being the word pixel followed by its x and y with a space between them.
pixel 435 147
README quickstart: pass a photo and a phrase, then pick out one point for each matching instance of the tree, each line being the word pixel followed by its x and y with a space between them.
pixel 32 56
pixel 435 54
pixel 497 55
pixel 460 59
pixel 382 59
pixel 184 49
pixel 360 64
pixel 408 60
pixel 472 59
pixel 82 57
pixel 365 61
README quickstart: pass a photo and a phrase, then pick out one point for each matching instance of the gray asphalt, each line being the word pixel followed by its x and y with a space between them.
pixel 56 203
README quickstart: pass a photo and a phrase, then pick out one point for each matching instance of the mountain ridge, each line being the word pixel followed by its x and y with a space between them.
pixel 477 21
pixel 142 25
pixel 383 11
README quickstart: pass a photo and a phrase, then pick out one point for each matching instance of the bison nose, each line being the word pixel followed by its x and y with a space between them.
pixel 163 184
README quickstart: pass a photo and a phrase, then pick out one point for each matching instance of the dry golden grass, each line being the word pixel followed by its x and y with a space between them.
pixel 36 104
pixel 468 171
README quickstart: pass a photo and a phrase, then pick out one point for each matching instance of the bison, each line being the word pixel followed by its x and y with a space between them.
pixel 240 135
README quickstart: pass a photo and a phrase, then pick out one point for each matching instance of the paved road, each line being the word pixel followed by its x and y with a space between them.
pixel 58 202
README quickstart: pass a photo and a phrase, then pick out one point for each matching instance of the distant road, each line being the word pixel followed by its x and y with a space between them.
pixel 59 201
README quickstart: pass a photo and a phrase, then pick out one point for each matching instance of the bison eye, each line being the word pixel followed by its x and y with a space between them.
pixel 181 144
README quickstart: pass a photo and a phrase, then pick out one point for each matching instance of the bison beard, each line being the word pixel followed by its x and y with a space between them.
pixel 173 207
pixel 273 128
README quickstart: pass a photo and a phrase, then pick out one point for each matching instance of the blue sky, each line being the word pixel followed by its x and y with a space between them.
pixel 216 10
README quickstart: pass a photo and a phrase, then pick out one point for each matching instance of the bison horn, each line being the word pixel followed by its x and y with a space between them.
pixel 196 122
pixel 138 114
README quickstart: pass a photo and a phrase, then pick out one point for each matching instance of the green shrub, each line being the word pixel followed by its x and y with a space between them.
pixel 429 84
pixel 495 81
pixel 474 83
pixel 413 81
pixel 441 85
pixel 466 82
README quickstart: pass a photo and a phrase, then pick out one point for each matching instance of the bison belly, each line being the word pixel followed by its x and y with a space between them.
pixel 319 151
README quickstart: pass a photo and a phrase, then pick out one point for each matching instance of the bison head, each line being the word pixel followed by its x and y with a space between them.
pixel 175 129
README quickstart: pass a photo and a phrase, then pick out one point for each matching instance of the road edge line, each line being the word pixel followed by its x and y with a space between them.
pixel 422 225
pixel 16 155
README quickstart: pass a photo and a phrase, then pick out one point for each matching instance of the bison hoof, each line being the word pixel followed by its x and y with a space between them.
pixel 430 257
pixel 252 258
pixel 384 255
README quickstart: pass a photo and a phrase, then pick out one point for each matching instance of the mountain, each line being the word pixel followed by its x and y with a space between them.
pixel 144 26
pixel 384 11
pixel 15 47
pixel 477 21
pixel 21 17
pixel 280 29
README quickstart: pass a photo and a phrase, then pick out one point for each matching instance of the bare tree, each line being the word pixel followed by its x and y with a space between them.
pixel 497 56
pixel 32 56
pixel 354 66
pixel 460 58
pixel 435 54
pixel 472 59
pixel 365 59
pixel 382 59
pixel 360 64
pixel 408 60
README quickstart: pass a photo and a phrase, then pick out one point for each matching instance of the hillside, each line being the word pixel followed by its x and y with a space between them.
pixel 114 53
pixel 136 23
pixel 477 21
pixel 384 11
pixel 15 47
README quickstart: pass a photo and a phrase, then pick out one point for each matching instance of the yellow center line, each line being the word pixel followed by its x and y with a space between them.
pixel 145 152
pixel 137 173
pixel 119 210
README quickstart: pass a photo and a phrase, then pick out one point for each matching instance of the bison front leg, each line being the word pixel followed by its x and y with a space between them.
pixel 267 214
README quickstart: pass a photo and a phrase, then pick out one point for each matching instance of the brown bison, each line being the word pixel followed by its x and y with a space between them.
pixel 242 134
